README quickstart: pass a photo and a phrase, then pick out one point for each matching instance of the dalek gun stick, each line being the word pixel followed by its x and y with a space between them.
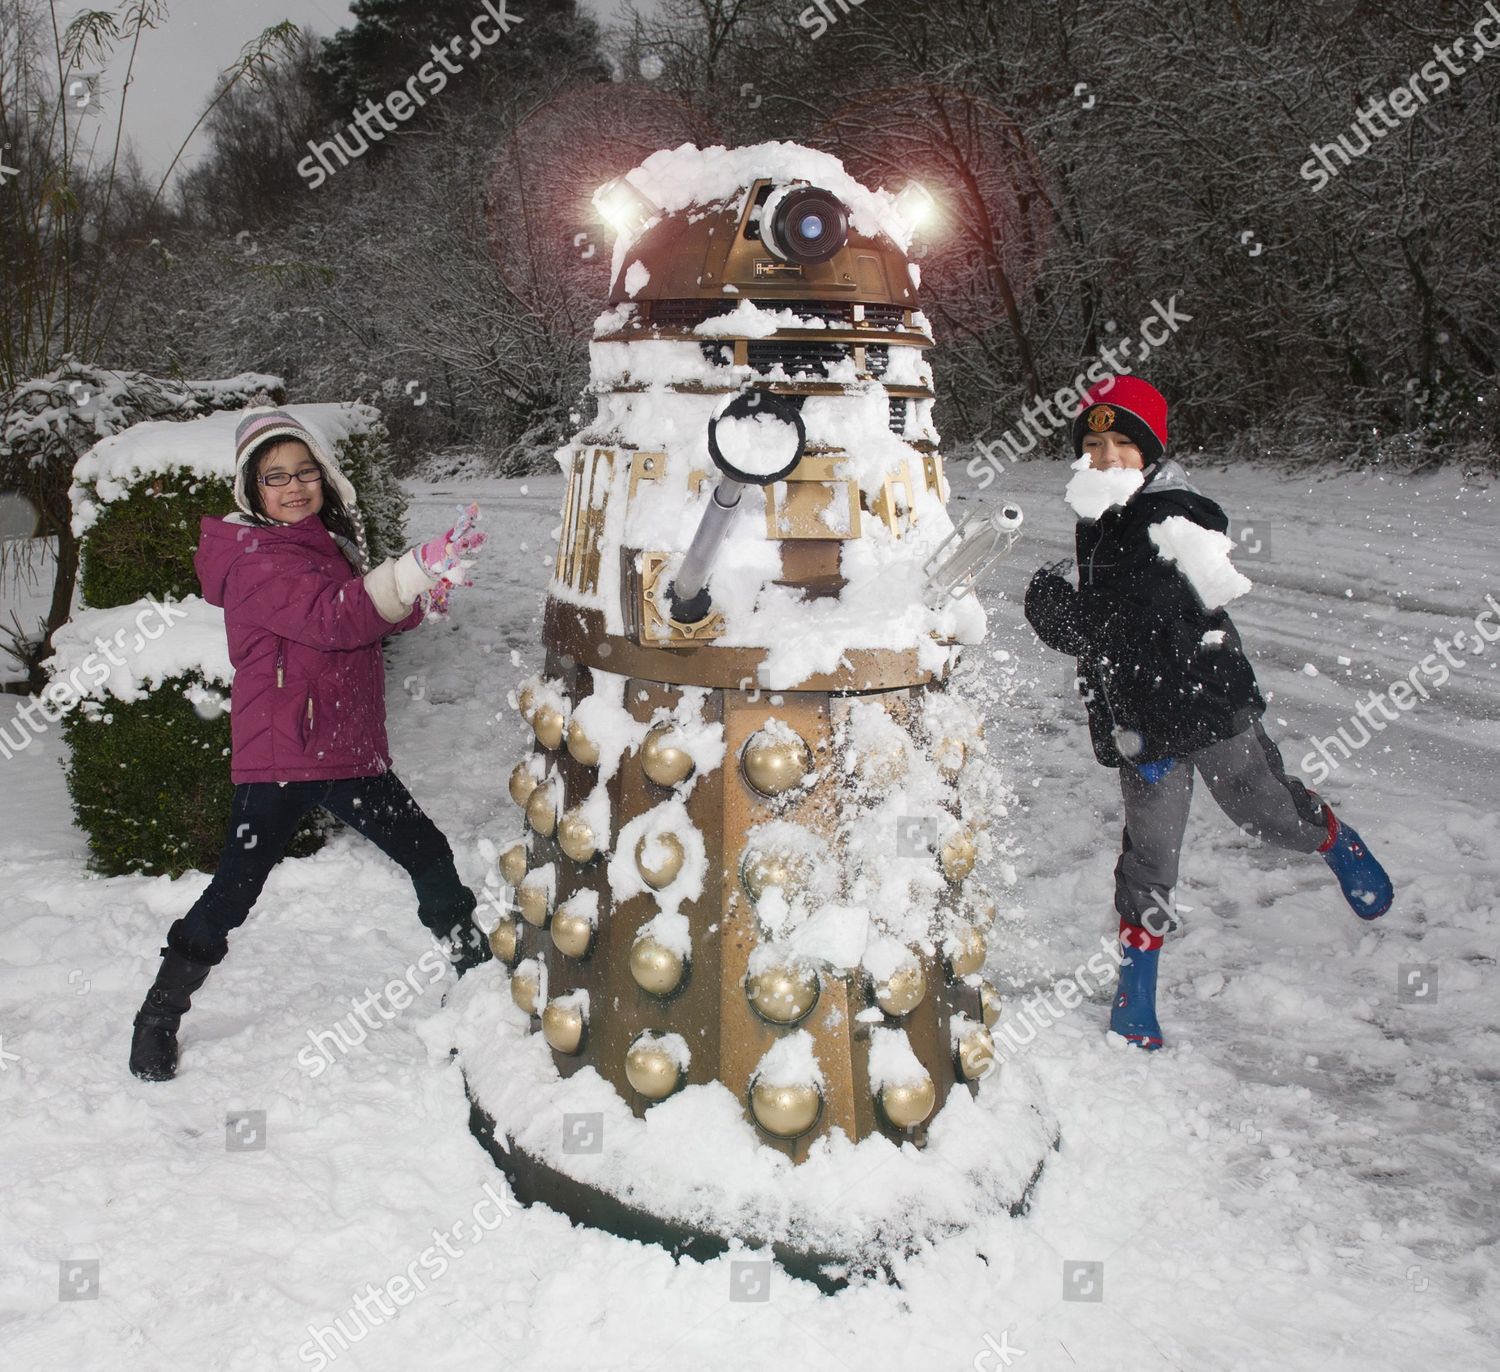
pixel 688 594
pixel 978 544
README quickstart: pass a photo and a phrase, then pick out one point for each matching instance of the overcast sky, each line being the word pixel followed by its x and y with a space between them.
pixel 177 64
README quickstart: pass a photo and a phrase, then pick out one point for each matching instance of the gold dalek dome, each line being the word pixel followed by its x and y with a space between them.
pixel 742 995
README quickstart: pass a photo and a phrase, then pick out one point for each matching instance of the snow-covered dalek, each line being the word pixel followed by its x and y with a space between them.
pixel 746 946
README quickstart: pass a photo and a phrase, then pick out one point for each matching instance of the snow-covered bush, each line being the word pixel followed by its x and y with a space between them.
pixel 137 500
pixel 48 422
pixel 144 687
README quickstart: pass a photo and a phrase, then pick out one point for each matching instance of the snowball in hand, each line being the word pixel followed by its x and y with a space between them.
pixel 757 444
pixel 1092 492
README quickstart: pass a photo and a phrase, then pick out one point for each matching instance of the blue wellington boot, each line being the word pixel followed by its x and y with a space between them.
pixel 1364 882
pixel 1134 1014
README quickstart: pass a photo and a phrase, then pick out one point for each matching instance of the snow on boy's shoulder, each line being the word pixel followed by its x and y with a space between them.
pixel 1202 555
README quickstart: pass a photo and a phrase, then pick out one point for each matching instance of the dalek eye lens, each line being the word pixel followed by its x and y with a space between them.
pixel 805 225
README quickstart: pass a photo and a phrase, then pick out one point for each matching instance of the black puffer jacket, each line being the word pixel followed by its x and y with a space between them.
pixel 1162 676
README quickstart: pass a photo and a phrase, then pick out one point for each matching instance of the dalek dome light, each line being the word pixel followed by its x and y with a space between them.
pixel 690 182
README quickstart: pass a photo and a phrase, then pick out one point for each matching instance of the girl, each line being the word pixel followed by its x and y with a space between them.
pixel 1168 688
pixel 305 617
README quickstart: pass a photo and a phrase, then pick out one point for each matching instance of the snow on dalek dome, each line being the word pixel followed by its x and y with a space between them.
pixel 742 958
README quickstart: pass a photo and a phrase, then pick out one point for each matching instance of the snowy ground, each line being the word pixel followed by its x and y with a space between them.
pixel 1306 1178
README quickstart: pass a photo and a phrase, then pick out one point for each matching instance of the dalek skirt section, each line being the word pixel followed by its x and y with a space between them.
pixel 745 919
pixel 744 869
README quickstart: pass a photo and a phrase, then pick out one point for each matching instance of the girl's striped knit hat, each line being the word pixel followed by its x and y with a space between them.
pixel 260 426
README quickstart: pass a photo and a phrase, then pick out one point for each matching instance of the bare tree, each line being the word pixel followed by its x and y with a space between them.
pixel 76 221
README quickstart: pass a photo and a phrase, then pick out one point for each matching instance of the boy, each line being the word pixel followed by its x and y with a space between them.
pixel 1169 693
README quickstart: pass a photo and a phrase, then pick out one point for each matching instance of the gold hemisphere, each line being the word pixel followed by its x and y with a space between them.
pixel 670 855
pixel 957 855
pixel 970 953
pixel 775 764
pixel 576 838
pixel 580 746
pixel 524 987
pixel 785 1111
pixel 662 760
pixel 548 725
pixel 513 864
pixel 535 907
pixel 655 967
pixel 562 1026
pixel 763 868
pixel 976 1054
pixel 908 1104
pixel 783 994
pixel 505 940
pixel 572 933
pixel 989 1004
pixel 522 783
pixel 651 1070
pixel 541 811
pixel 902 991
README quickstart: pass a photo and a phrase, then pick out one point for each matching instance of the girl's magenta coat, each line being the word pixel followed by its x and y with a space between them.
pixel 308 702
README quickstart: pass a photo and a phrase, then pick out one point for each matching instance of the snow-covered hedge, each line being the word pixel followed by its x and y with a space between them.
pixel 150 784
pixel 143 691
pixel 137 496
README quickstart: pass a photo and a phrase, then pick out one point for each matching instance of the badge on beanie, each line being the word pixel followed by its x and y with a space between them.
pixel 1101 417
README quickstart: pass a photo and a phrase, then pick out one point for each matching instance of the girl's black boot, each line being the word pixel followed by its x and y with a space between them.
pixel 153 1049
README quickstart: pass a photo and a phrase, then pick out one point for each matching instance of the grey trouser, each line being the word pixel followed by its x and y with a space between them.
pixel 1246 777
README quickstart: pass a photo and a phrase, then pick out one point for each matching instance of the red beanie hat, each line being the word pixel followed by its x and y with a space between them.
pixel 1130 406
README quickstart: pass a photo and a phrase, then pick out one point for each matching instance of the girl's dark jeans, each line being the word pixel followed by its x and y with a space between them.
pixel 262 819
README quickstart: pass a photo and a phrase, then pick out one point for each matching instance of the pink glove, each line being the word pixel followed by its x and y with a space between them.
pixel 444 555
pixel 445 559
pixel 437 600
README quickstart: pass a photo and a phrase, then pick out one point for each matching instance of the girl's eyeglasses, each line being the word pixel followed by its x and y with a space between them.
pixel 307 475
